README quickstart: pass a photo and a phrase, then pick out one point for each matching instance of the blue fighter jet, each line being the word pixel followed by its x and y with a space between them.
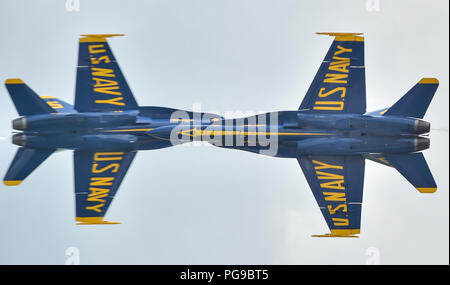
pixel 330 134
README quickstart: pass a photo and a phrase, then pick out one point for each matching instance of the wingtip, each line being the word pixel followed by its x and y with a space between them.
pixel 93 221
pixel 335 236
pixel 344 37
pixel 102 223
pixel 97 37
pixel 339 34
pixel 348 233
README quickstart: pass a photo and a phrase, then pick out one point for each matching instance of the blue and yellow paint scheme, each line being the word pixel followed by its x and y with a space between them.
pixel 330 134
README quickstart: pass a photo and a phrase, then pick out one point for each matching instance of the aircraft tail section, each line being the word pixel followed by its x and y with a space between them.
pixel 25 162
pixel 416 101
pixel 27 102
pixel 58 105
pixel 414 168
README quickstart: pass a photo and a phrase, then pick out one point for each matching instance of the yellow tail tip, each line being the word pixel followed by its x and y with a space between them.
pixel 429 81
pixel 12 182
pixel 427 189
pixel 14 81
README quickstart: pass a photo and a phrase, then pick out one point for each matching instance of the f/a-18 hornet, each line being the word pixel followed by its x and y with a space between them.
pixel 330 134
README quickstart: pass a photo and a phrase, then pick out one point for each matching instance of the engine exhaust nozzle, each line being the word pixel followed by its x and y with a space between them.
pixel 19 139
pixel 421 127
pixel 20 124
pixel 421 143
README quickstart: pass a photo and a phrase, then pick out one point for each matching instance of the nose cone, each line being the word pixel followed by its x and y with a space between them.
pixel 421 143
pixel 20 124
pixel 422 127
pixel 19 139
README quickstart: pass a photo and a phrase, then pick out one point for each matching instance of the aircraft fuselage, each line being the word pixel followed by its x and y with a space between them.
pixel 281 134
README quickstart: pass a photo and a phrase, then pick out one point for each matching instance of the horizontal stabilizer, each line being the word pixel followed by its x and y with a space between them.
pixel 27 102
pixel 415 169
pixel 416 101
pixel 25 162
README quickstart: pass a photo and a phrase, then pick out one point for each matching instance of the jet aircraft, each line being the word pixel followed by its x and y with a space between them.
pixel 330 134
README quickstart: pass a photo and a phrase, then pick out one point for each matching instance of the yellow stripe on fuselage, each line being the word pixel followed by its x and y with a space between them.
pixel 195 132
pixel 128 130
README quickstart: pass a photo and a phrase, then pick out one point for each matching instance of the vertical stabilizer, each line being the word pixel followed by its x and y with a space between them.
pixel 416 101
pixel 25 162
pixel 27 102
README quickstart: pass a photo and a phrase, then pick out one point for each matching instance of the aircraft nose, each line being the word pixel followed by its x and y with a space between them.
pixel 421 143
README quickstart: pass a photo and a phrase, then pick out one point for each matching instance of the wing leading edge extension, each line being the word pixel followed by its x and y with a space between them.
pixel 100 84
pixel 337 184
pixel 339 85
pixel 97 178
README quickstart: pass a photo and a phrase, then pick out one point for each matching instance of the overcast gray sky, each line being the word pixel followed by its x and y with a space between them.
pixel 205 205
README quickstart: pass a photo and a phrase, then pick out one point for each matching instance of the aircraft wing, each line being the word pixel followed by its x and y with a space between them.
pixel 100 84
pixel 340 85
pixel 337 184
pixel 97 178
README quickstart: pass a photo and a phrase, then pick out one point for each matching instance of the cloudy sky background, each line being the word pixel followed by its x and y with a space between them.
pixel 205 205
